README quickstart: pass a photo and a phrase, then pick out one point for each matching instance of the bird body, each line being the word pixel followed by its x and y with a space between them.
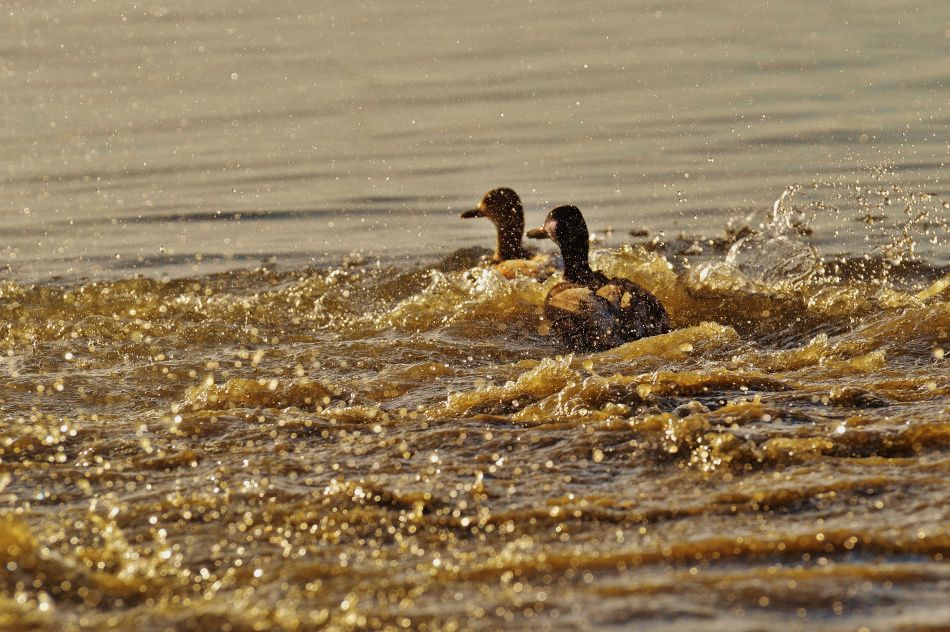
pixel 589 311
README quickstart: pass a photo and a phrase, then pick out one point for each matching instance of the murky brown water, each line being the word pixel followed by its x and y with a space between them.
pixel 365 448
pixel 243 390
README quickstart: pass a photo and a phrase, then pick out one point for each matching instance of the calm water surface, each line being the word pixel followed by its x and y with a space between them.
pixel 246 388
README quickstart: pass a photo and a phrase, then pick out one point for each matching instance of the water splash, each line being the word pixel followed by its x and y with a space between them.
pixel 777 255
pixel 803 232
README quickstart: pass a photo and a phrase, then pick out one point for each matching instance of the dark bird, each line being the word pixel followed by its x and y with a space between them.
pixel 503 207
pixel 588 311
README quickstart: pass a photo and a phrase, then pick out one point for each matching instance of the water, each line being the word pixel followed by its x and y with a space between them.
pixel 244 389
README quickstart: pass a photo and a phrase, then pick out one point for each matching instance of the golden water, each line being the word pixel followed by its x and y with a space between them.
pixel 242 388
pixel 363 447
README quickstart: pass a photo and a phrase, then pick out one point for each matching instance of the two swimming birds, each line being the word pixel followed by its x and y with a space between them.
pixel 587 310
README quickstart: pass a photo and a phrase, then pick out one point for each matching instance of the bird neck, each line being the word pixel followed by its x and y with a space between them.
pixel 576 267
pixel 509 246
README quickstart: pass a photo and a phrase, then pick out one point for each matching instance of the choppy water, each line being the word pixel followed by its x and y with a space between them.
pixel 245 387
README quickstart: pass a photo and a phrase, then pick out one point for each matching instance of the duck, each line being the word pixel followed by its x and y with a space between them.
pixel 588 311
pixel 511 259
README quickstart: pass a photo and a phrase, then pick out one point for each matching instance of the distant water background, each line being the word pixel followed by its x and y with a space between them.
pixel 170 138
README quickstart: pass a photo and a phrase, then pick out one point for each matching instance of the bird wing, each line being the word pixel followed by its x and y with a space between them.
pixel 581 319
pixel 635 308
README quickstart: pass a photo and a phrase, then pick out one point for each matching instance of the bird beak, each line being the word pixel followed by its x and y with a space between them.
pixel 546 231
pixel 475 212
